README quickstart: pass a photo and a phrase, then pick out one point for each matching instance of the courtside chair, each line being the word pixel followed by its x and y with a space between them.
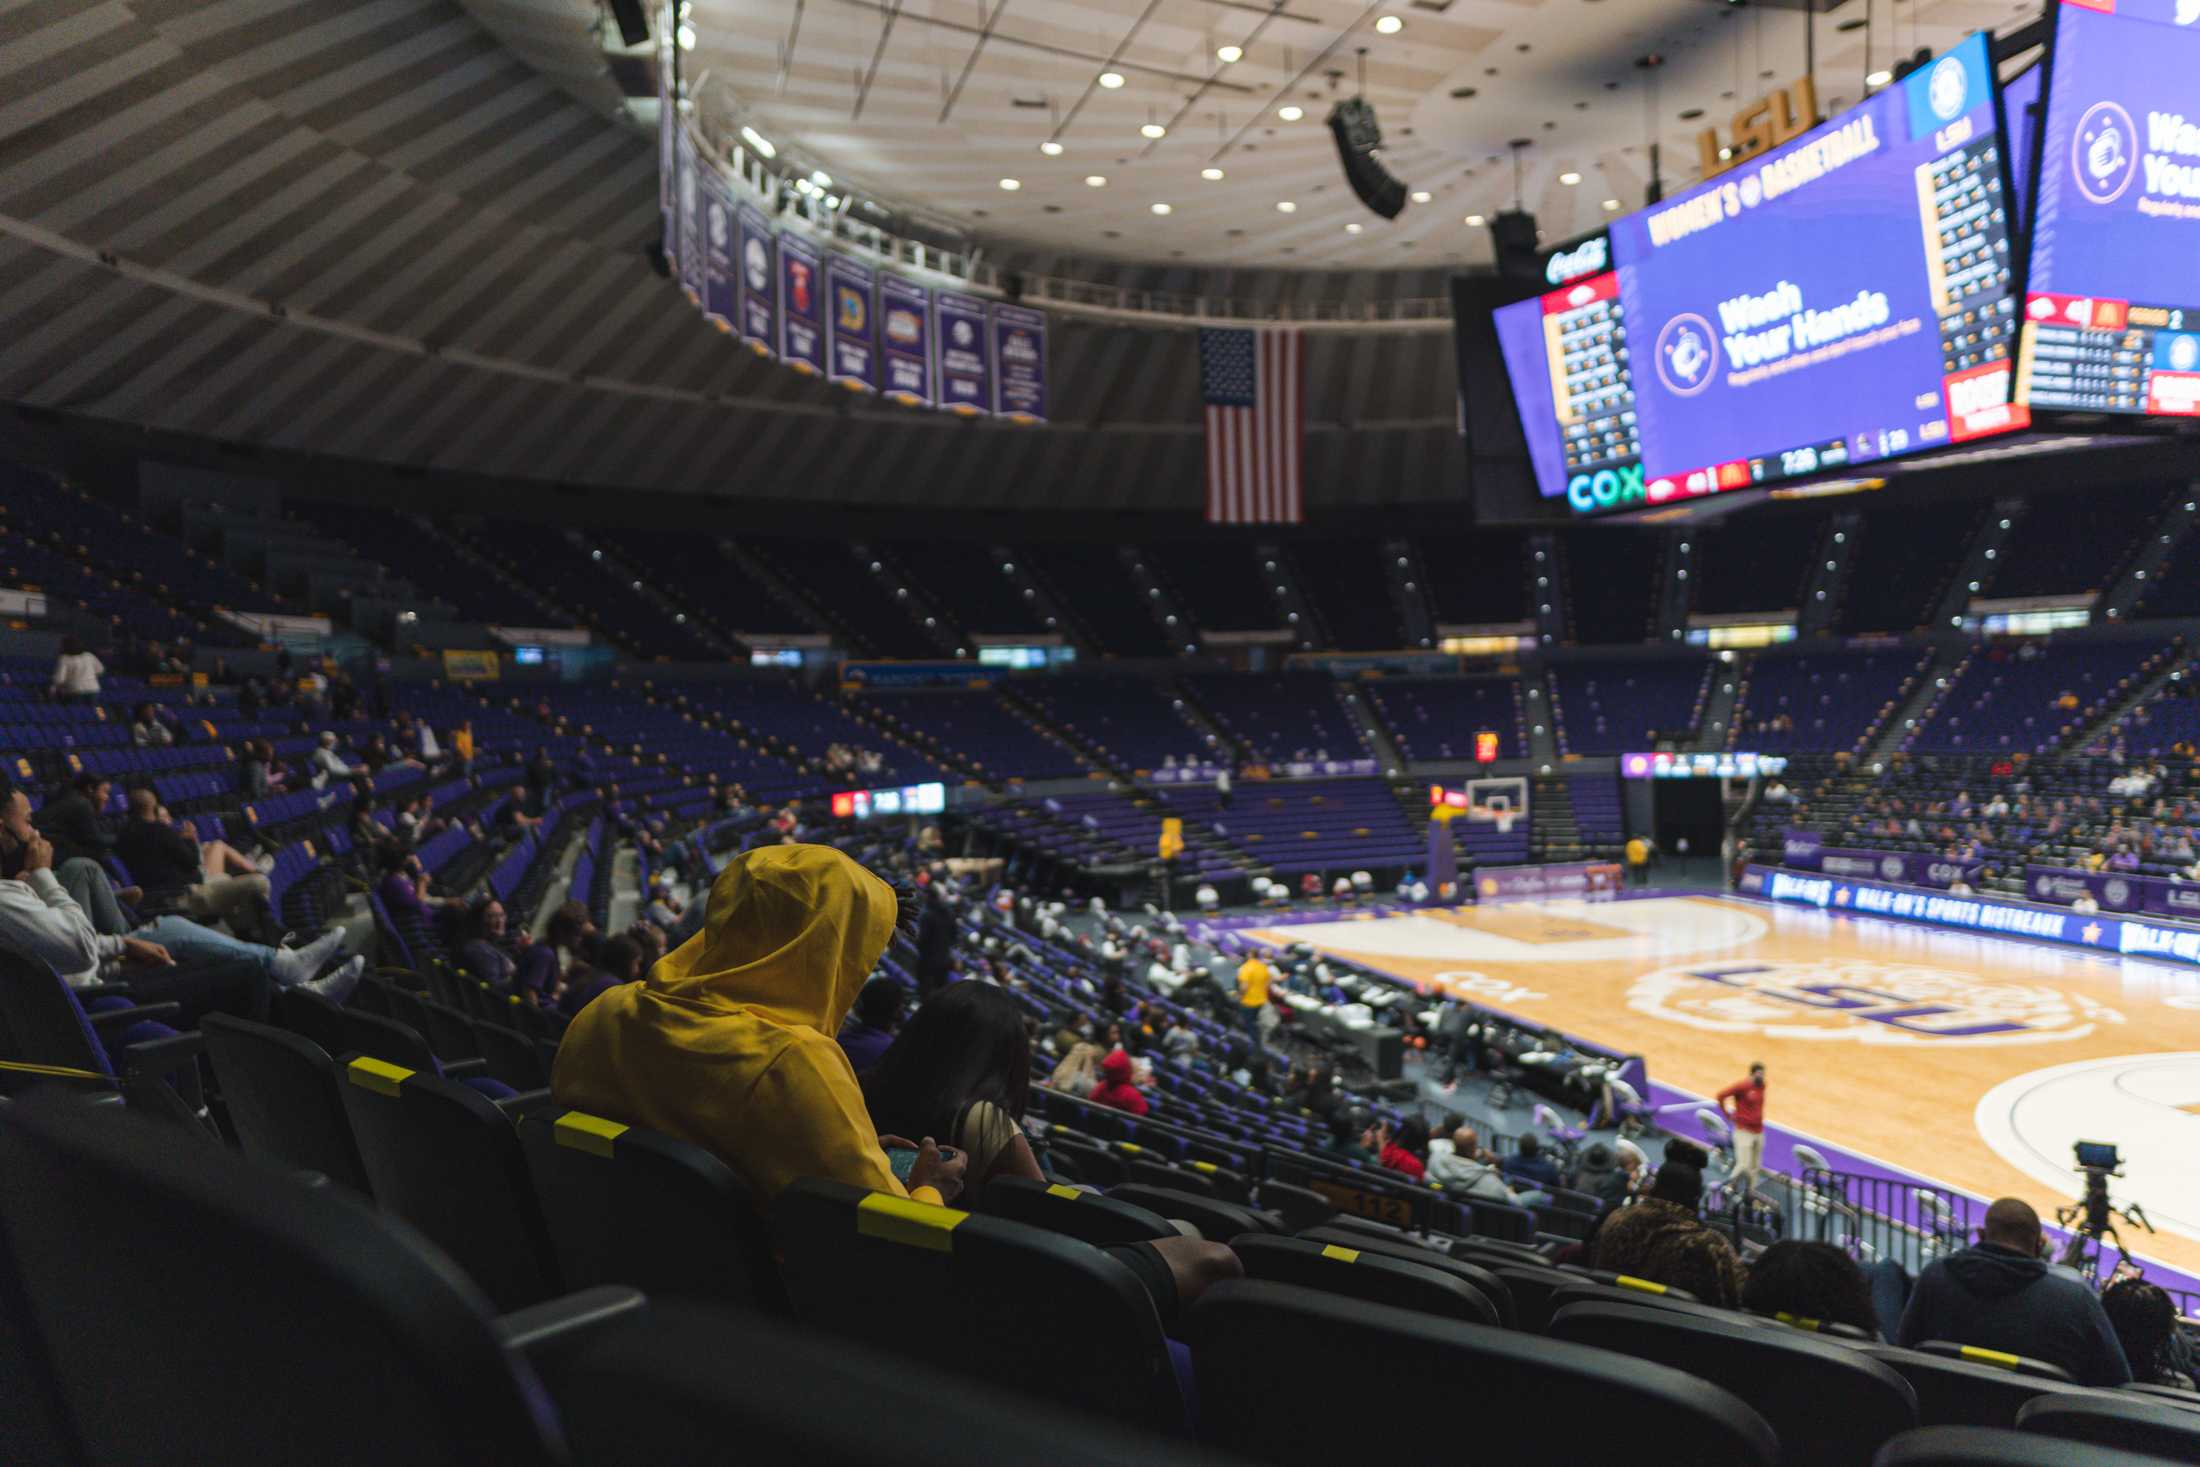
pixel 1355 1273
pixel 1016 1306
pixel 1832 1406
pixel 281 1091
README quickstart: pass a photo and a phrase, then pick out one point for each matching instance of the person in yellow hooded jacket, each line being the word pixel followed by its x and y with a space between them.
pixel 729 1041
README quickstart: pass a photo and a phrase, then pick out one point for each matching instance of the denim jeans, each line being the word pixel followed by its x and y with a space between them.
pixel 88 885
pixel 213 971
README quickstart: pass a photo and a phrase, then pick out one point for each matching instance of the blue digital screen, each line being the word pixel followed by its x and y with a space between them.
pixel 2018 95
pixel 1842 298
pixel 527 656
pixel 2112 306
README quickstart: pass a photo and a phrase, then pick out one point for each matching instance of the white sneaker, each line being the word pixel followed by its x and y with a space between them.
pixel 339 983
pixel 296 965
pixel 265 862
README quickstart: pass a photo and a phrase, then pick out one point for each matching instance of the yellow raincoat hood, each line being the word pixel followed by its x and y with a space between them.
pixel 728 1042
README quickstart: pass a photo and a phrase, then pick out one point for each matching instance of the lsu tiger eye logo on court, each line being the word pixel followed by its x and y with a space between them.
pixel 1865 1002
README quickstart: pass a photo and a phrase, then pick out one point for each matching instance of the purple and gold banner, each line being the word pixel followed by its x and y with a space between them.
pixel 1907 868
pixel 719 260
pixel 1020 363
pixel 2114 891
pixel 905 341
pixel 965 353
pixel 757 320
pixel 689 205
pixel 851 299
pixel 801 306
pixel 1587 879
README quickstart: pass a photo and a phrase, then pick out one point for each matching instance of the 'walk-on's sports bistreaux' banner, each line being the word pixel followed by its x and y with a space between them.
pixel 854 359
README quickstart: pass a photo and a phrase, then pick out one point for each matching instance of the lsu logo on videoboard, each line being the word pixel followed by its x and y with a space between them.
pixel 1864 1001
pixel 1687 354
pixel 2104 152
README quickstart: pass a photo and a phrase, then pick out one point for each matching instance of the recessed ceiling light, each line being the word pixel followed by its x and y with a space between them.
pixel 1475 221
pixel 759 142
pixel 1388 25
pixel 1285 206
pixel 1096 180
pixel 1878 78
pixel 1228 54
pixel 1212 175
pixel 1422 196
pixel 1290 112
pixel 1010 185
pixel 1569 179
pixel 1160 208
pixel 1111 79
pixel 1051 148
pixel 1154 130
pixel 1611 206
pixel 1352 229
pixel 821 178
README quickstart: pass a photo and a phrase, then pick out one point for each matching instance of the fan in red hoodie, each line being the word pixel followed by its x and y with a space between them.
pixel 1404 1148
pixel 1115 1087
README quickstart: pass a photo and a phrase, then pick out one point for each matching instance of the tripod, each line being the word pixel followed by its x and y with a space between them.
pixel 2095 1218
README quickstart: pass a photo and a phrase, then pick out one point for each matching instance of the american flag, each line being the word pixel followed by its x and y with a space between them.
pixel 1254 385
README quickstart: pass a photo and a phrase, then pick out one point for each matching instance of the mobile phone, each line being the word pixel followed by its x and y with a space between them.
pixel 903 1160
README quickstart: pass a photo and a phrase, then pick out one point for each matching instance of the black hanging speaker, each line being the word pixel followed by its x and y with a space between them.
pixel 633 21
pixel 1513 234
pixel 1352 124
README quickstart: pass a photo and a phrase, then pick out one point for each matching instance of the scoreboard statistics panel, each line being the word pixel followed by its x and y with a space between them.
pixel 2112 306
pixel 1843 298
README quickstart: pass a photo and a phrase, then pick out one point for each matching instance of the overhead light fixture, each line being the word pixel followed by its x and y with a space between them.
pixel 1352 228
pixel 1290 112
pixel 1228 54
pixel 759 142
pixel 1010 185
pixel 1388 25
pixel 1051 148
pixel 1569 179
pixel 1422 196
pixel 686 36
pixel 821 178
pixel 1878 78
pixel 1475 221
pixel 1153 130
pixel 1096 180
pixel 1111 79
pixel 804 186
pixel 1285 206
pixel 1611 206
pixel 1212 175
pixel 1160 208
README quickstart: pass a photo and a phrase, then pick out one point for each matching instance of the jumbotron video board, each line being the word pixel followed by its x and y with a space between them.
pixel 1844 298
pixel 2112 306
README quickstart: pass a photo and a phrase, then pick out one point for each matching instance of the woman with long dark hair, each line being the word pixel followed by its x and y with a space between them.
pixel 961 1070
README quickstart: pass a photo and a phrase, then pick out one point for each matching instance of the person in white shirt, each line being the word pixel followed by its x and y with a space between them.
pixel 1460 1164
pixel 76 673
pixel 327 764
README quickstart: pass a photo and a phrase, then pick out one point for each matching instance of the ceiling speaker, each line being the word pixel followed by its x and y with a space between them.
pixel 1352 124
pixel 633 21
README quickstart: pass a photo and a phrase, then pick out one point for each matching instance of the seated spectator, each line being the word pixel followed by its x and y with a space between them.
pixel 207 878
pixel 2145 1322
pixel 72 820
pixel 1461 1164
pixel 1661 1239
pixel 76 674
pixel 147 731
pixel 871 1025
pixel 405 888
pixel 483 949
pixel 616 961
pixel 168 960
pixel 1529 1164
pixel 1810 1281
pixel 728 1042
pixel 1079 1070
pixel 2003 1296
pixel 961 1070
pixel 1115 1089
pixel 326 764
pixel 542 965
pixel 1402 1149
pixel 1604 1174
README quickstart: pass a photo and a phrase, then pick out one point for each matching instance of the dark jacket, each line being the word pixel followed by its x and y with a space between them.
pixel 1537 1169
pixel 160 860
pixel 865 1045
pixel 72 825
pixel 1997 1298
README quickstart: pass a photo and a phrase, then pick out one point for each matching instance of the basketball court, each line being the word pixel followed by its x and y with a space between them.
pixel 1971 1061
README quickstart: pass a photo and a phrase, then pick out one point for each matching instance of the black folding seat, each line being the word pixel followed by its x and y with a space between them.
pixel 1017 1306
pixel 1643 1294
pixel 1500 1220
pixel 1532 1286
pixel 2109 1419
pixel 1227 1183
pixel 1983 1446
pixel 1217 1221
pixel 1581 1405
pixel 2162 1395
pixel 400 1044
pixel 284 1099
pixel 1953 1391
pixel 1073 1212
pixel 43 1023
pixel 450 1034
pixel 302 1011
pixel 445 1159
pixel 1472 1274
pixel 1501 1248
pixel 1831 1406
pixel 1378 1278
pixel 625 1205
pixel 509 1055
pixel 1146 1172
pixel 1299 1207
pixel 1094 1165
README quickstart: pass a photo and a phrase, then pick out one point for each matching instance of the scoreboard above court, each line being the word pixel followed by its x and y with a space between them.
pixel 1727 765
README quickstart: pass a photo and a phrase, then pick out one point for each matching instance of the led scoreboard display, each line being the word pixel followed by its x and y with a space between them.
pixel 2112 307
pixel 1845 297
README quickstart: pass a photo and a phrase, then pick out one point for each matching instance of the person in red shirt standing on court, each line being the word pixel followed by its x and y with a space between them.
pixel 1744 1104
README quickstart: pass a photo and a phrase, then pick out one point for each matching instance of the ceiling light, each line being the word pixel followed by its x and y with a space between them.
pixel 1352 229
pixel 1569 179
pixel 759 142
pixel 1290 112
pixel 1153 130
pixel 1010 185
pixel 1111 79
pixel 1878 78
pixel 1096 180
pixel 1212 175
pixel 1388 25
pixel 1475 221
pixel 1422 196
pixel 1285 206
pixel 821 178
pixel 1228 54
pixel 1611 206
pixel 1051 148
pixel 804 186
pixel 686 35
pixel 1160 208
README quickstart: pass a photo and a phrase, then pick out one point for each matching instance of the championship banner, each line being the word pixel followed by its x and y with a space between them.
pixel 801 306
pixel 757 320
pixel 905 341
pixel 1020 361
pixel 689 203
pixel 850 298
pixel 966 358
pixel 719 260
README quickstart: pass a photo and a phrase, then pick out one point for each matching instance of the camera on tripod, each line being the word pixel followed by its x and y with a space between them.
pixel 2098 1157
pixel 2093 1220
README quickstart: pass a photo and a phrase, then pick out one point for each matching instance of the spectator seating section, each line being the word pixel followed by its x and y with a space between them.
pixel 1822 702
pixel 1612 707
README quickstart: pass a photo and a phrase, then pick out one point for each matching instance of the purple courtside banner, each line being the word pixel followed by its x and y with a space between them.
pixel 757 320
pixel 1020 363
pixel 905 341
pixel 965 353
pixel 801 306
pixel 851 301
pixel 720 260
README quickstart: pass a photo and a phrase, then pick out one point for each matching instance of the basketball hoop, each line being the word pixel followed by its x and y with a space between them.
pixel 1501 818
